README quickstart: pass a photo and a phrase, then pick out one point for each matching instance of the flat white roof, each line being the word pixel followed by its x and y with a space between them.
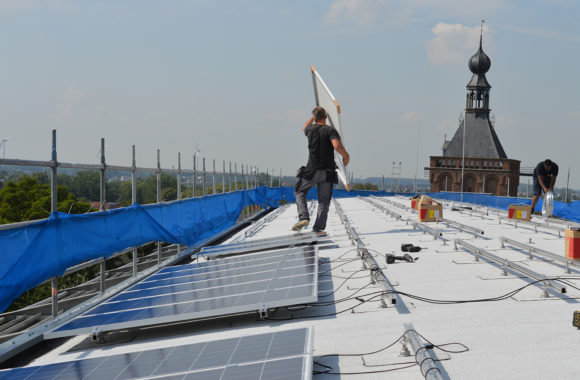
pixel 522 336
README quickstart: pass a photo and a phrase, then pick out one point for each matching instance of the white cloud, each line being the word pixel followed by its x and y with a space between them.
pixel 360 12
pixel 32 5
pixel 367 13
pixel 70 99
pixel 412 117
pixel 455 43
pixel 543 33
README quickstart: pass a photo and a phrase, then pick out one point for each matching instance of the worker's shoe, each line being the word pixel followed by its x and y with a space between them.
pixel 300 224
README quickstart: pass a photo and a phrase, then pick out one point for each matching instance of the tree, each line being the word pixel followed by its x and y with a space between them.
pixel 28 199
pixel 364 186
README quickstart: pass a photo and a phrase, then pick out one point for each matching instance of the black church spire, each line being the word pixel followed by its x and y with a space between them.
pixel 481 141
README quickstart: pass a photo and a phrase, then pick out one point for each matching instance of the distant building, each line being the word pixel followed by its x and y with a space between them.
pixel 487 168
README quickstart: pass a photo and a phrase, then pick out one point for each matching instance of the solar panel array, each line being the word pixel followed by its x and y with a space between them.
pixel 262 244
pixel 232 285
pixel 276 355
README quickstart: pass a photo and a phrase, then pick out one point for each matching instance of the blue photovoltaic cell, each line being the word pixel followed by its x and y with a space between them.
pixel 207 289
pixel 275 355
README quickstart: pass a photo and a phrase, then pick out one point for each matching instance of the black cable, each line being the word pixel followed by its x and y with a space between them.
pixel 338 266
pixel 372 352
pixel 339 286
pixel 412 296
pixel 344 253
pixel 364 372
pixel 350 297
pixel 465 348
pixel 323 315
pixel 352 278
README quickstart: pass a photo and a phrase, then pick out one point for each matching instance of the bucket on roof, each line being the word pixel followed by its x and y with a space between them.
pixel 548 204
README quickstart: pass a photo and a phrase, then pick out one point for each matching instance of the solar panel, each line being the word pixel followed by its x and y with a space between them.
pixel 276 355
pixel 233 285
pixel 261 244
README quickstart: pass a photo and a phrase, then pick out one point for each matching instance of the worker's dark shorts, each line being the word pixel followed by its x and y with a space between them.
pixel 537 188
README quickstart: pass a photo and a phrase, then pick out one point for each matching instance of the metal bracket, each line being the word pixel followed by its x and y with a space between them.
pixel 97 335
pixel 263 311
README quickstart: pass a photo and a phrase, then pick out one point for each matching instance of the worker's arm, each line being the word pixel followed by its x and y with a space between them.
pixel 310 121
pixel 341 150
pixel 541 181
pixel 552 182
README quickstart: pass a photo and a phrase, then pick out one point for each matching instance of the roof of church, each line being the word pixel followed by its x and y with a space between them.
pixel 481 141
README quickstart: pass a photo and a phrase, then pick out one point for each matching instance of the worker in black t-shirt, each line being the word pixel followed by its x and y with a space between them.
pixel 545 175
pixel 320 171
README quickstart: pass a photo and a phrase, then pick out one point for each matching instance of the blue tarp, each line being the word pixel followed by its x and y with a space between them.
pixel 570 211
pixel 34 253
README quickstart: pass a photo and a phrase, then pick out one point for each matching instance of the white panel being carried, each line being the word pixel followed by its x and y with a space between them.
pixel 325 99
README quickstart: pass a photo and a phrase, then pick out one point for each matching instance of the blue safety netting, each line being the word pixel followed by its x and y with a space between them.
pixel 569 211
pixel 34 253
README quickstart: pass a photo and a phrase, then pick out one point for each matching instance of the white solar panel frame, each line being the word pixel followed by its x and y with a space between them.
pixel 326 99
pixel 235 310
pixel 260 244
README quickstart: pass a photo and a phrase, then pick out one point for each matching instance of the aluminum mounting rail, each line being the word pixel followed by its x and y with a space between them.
pixel 426 229
pixel 377 273
pixel 470 212
pixel 515 222
pixel 381 207
pixel 460 226
pixel 416 225
pixel 396 204
pixel 540 252
pixel 567 223
pixel 423 355
pixel 476 251
pixel 257 226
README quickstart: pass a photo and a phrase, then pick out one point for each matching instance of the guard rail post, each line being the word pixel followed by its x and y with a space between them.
pixel 134 201
pixel 53 209
pixel 158 199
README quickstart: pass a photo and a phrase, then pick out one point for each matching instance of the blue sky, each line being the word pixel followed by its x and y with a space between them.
pixel 233 78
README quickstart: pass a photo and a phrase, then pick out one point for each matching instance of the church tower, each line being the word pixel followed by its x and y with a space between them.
pixel 487 167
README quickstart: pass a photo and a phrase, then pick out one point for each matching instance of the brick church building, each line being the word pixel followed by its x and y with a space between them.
pixel 487 167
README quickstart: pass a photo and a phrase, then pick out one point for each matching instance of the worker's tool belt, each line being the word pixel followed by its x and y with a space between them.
pixel 304 172
pixel 331 176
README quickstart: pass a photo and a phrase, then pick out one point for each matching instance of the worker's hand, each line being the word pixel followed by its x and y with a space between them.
pixel 346 160
pixel 546 190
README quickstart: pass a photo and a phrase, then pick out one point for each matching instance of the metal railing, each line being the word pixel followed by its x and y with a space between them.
pixel 249 175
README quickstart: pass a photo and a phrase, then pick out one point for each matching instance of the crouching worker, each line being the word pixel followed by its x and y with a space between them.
pixel 320 171
pixel 545 175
